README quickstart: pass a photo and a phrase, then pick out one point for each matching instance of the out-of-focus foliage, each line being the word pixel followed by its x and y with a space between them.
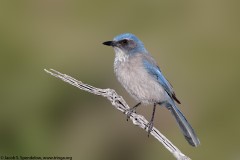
pixel 196 44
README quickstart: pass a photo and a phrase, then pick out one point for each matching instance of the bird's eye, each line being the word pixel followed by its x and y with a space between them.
pixel 124 42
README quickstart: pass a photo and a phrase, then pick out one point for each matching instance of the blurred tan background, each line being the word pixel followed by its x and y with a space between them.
pixel 196 44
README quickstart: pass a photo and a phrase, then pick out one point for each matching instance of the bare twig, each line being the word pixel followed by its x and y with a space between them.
pixel 119 103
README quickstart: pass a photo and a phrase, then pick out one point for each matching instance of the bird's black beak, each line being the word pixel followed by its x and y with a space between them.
pixel 110 43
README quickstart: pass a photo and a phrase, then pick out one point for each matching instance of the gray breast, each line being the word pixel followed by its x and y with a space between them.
pixel 137 81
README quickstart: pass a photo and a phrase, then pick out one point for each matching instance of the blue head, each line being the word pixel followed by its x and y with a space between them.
pixel 127 43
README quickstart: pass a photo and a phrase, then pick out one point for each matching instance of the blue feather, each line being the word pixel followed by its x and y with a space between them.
pixel 155 71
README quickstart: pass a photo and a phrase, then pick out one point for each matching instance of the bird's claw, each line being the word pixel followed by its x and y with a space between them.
pixel 129 112
pixel 149 127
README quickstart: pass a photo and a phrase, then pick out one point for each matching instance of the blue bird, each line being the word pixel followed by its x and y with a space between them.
pixel 140 75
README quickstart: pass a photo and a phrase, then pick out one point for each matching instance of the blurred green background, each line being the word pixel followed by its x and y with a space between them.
pixel 196 44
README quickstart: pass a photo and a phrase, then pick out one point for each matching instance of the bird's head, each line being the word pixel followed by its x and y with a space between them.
pixel 127 43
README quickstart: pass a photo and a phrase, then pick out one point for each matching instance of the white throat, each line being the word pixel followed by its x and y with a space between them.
pixel 120 56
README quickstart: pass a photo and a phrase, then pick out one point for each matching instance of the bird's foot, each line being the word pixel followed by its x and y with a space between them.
pixel 150 124
pixel 129 112
pixel 149 127
pixel 132 110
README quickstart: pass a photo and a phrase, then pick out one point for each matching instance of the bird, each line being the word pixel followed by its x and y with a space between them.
pixel 139 74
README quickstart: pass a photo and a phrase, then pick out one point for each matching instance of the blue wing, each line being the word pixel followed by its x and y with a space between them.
pixel 155 71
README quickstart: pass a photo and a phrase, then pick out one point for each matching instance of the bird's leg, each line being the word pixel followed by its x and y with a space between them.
pixel 150 124
pixel 131 110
